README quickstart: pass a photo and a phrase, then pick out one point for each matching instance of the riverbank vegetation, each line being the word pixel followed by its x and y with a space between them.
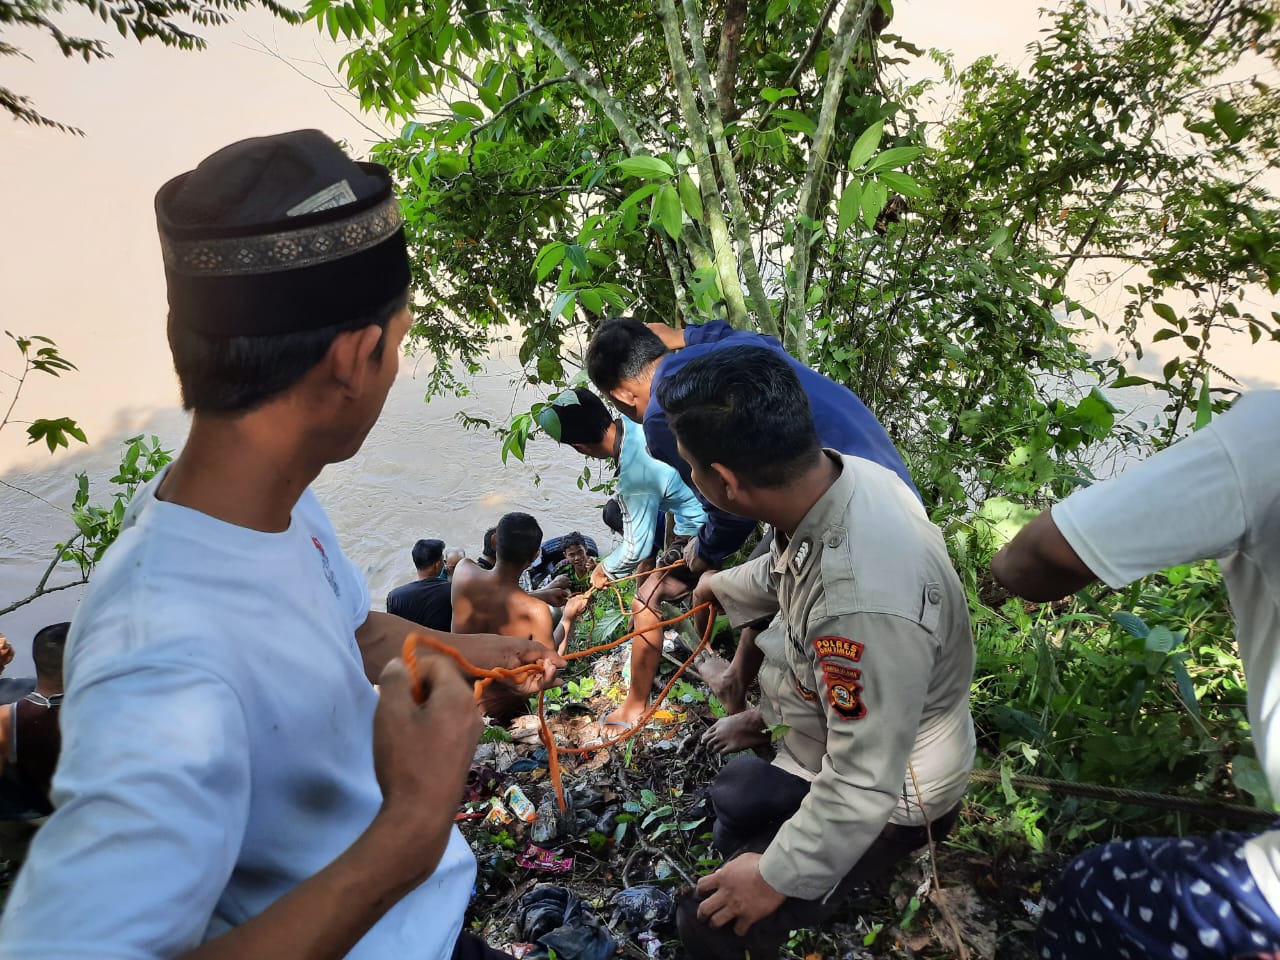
pixel 986 275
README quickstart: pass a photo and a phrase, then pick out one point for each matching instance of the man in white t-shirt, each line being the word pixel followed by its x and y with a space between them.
pixel 1215 494
pixel 230 784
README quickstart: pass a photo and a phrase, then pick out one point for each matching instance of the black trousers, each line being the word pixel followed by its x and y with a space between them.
pixel 752 799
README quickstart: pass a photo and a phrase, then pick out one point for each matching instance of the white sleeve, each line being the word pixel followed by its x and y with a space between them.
pixel 152 796
pixel 355 589
pixel 1183 504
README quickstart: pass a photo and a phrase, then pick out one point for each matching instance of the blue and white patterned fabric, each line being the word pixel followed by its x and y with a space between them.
pixel 1184 898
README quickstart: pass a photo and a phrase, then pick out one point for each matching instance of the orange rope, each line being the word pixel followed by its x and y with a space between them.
pixel 485 676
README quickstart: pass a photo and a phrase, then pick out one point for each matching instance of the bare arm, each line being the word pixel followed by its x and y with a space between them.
pixel 421 756
pixel 381 639
pixel 564 629
pixel 671 337
pixel 1039 564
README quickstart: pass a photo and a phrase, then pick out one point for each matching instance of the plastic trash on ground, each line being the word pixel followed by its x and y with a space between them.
pixel 544 861
pixel 557 920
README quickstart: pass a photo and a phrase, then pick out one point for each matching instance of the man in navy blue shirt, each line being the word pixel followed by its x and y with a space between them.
pixel 626 361
pixel 425 600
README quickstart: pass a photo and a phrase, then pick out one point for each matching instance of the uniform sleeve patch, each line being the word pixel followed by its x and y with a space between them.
pixel 843 687
pixel 838 647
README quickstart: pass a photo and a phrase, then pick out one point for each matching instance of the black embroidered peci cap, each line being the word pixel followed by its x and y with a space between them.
pixel 280 234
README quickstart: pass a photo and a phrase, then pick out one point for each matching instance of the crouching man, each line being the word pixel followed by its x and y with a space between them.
pixel 878 739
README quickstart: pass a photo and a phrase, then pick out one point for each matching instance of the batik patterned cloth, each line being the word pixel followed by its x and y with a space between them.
pixel 1184 898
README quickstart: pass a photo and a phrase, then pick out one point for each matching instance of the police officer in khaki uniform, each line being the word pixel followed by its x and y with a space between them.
pixel 870 655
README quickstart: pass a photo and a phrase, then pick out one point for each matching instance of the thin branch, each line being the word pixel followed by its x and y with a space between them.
pixel 722 248
pixel 513 101
pixel 40 593
pixel 852 23
pixel 728 174
pixel 16 391
pixel 583 78
pixel 41 589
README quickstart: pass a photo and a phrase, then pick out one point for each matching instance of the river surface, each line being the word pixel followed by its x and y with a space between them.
pixel 419 474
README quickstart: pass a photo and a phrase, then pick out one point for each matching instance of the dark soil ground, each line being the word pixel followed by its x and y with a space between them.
pixel 638 818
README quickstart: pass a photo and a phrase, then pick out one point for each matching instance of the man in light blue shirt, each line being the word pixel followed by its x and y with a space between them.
pixel 645 487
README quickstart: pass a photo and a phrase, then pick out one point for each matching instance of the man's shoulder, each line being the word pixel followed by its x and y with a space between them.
pixel 404 591
pixel 882 552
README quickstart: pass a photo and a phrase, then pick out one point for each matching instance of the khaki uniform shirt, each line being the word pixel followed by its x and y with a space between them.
pixel 876 662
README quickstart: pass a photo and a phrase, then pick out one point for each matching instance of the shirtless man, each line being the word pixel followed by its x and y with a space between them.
pixel 494 597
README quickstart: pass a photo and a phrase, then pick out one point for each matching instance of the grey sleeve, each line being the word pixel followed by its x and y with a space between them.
pixel 872 674
pixel 748 591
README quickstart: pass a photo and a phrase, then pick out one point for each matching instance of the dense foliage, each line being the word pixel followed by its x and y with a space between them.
pixel 768 164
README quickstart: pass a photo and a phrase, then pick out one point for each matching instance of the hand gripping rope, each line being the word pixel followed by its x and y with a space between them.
pixel 527 671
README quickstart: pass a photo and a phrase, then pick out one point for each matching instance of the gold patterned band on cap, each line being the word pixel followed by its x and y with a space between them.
pixel 284 250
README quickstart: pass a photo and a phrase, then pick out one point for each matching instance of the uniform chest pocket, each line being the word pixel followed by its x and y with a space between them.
pixel 802 675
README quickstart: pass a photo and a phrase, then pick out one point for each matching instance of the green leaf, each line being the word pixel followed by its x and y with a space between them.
pixel 850 205
pixel 1186 687
pixel 666 210
pixel 773 94
pixel 1247 775
pixel 691 198
pixel 646 168
pixel 548 258
pixel 1227 117
pixel 636 196
pixel 866 145
pixel 1130 382
pixel 1131 624
pixel 1204 406
pixel 467 110
pixel 874 197
pixel 1161 640
pixel 893 157
pixel 796 120
pixel 55 432
pixel 1164 312
pixel 901 183
pixel 549 421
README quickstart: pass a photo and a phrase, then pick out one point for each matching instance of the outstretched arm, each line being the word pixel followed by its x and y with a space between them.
pixel 1039 564
pixel 381 639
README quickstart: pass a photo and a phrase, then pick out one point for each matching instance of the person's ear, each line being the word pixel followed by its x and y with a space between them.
pixel 624 396
pixel 350 355
pixel 732 485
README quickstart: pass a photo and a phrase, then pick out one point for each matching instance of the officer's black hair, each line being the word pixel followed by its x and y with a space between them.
pixel 611 514
pixel 744 408
pixel 47 650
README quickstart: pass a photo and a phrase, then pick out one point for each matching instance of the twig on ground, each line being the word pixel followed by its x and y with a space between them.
pixel 643 845
pixel 940 901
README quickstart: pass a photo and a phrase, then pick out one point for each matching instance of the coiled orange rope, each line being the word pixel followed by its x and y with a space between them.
pixel 485 676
